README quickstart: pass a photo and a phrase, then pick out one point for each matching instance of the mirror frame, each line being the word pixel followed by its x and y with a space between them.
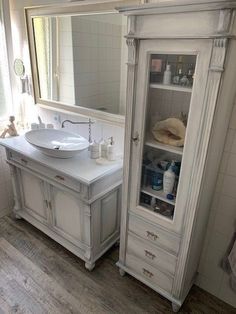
pixel 63 9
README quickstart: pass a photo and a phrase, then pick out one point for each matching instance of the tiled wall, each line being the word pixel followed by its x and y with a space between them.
pixel 222 223
pixel 66 63
pixel 223 209
pixel 97 60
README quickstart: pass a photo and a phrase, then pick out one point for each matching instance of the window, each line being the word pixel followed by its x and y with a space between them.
pixel 5 89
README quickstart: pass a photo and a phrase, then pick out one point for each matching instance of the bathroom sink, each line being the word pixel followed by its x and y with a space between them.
pixel 56 143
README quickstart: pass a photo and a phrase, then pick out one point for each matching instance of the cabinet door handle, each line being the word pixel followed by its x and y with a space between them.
pixel 46 203
pixel 59 178
pixel 152 235
pixel 149 254
pixel 135 138
pixel 147 273
pixel 24 161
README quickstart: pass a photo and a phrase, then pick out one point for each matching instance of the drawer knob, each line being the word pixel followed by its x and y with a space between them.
pixel 149 254
pixel 60 178
pixel 147 273
pixel 152 235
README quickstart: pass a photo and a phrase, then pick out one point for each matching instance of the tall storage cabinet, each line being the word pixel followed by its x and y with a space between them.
pixel 174 121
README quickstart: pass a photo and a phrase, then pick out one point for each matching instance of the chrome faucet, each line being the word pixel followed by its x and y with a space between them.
pixel 89 123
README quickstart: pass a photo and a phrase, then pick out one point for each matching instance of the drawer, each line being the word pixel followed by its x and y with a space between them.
pixel 154 234
pixel 49 173
pixel 150 274
pixel 151 254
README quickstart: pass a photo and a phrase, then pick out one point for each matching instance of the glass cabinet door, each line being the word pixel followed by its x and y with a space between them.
pixel 171 78
pixel 167 117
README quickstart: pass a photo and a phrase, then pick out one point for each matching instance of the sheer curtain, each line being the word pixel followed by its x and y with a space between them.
pixel 5 89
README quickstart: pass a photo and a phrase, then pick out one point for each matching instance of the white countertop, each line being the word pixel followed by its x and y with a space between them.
pixel 80 167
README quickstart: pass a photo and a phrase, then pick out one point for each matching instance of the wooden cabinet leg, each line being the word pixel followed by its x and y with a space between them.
pixel 175 307
pixel 89 266
pixel 122 272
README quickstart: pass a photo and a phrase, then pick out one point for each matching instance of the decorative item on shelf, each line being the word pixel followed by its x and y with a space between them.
pixel 167 75
pixel 10 129
pixel 184 81
pixel 170 131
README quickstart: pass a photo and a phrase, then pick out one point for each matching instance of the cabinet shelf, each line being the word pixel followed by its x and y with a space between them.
pixel 151 142
pixel 157 194
pixel 171 87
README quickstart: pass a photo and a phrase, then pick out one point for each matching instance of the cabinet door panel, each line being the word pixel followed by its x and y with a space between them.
pixel 34 195
pixel 67 214
pixel 160 96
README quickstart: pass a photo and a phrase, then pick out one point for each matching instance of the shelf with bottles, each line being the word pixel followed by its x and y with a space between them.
pixel 157 205
pixel 173 71
pixel 154 168
pixel 171 87
pixel 151 142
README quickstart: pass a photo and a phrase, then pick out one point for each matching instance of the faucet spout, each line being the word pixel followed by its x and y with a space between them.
pixel 89 123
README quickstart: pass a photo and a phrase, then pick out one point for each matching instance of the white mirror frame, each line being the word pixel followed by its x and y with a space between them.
pixel 73 8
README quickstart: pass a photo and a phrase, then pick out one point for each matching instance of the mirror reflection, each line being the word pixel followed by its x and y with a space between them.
pixel 81 60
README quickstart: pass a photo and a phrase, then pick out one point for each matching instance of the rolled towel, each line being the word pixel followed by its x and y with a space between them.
pixel 170 131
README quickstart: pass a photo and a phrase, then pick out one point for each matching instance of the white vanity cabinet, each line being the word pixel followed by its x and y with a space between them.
pixel 74 201
pixel 162 235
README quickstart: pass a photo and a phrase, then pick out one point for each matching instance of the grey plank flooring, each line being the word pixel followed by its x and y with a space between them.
pixel 37 275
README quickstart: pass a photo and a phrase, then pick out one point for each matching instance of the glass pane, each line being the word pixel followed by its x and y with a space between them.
pixel 170 89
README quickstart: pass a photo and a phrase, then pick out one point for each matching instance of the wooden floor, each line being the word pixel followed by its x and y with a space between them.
pixel 37 275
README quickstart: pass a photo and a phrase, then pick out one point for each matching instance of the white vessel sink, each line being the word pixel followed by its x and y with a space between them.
pixel 56 143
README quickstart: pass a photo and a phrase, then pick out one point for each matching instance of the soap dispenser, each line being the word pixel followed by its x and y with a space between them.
pixel 111 156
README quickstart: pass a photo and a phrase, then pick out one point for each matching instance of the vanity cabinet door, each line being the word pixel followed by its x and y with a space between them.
pixel 66 214
pixel 34 195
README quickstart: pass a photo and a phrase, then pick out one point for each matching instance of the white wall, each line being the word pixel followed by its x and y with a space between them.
pixel 222 223
pixel 6 194
pixel 223 209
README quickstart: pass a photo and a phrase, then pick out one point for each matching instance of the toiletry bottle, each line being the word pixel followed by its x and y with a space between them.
pixel 169 179
pixel 94 150
pixel 167 75
pixel 111 151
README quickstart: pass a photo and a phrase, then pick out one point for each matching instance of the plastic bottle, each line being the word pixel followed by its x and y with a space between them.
pixel 167 75
pixel 169 179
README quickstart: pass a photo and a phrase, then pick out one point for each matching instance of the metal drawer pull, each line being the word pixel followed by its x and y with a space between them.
pixel 60 177
pixel 24 161
pixel 147 273
pixel 152 235
pixel 149 254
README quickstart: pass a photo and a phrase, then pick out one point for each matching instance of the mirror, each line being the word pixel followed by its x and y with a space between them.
pixel 78 58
